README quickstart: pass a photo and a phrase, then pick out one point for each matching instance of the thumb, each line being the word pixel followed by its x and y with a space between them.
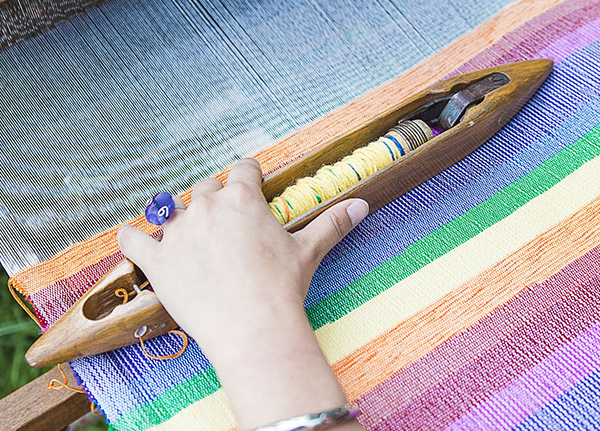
pixel 137 246
pixel 330 227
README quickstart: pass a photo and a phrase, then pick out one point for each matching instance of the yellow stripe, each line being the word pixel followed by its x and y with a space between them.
pixel 213 412
pixel 441 276
pixel 428 285
pixel 210 413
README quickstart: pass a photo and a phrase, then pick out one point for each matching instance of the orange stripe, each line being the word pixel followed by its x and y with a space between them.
pixel 81 255
pixel 412 339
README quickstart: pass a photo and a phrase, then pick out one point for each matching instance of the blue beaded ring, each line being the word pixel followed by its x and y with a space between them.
pixel 160 207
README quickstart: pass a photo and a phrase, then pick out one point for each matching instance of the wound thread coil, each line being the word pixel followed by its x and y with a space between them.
pixel 331 180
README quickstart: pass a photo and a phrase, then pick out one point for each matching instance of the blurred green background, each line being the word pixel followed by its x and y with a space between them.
pixel 17 333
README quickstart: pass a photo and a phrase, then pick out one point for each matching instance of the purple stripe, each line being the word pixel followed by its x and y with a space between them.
pixel 547 380
pixel 571 42
pixel 534 36
pixel 470 367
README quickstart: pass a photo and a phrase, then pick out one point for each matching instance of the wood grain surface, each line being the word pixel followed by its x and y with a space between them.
pixel 34 407
pixel 103 324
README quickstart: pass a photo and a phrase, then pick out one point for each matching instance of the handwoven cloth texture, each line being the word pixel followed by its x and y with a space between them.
pixel 135 96
pixel 469 303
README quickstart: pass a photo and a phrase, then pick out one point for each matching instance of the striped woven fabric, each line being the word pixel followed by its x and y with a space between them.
pixel 469 303
pixel 138 96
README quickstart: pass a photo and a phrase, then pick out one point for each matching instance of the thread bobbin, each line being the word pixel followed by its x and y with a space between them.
pixel 415 132
pixel 308 192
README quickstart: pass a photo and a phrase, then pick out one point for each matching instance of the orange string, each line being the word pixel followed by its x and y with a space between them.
pixel 58 385
pixel 122 293
pixel 94 409
pixel 287 210
pixel 174 331
pixel 13 292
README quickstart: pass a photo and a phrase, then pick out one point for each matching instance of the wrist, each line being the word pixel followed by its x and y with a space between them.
pixel 226 330
pixel 248 329
pixel 329 419
pixel 272 368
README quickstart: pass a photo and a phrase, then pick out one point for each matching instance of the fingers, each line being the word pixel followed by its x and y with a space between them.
pixel 246 171
pixel 179 204
pixel 180 207
pixel 206 186
pixel 330 227
pixel 137 246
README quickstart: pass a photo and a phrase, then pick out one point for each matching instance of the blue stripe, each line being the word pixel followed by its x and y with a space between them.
pixel 389 149
pixel 546 125
pixel 102 373
pixel 352 167
pixel 576 409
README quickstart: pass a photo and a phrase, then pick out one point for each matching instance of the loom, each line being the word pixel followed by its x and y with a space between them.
pixel 469 302
pixel 469 108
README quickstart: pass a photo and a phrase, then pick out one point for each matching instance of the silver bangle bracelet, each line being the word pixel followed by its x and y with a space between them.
pixel 315 421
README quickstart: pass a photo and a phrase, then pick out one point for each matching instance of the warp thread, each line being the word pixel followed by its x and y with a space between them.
pixel 330 180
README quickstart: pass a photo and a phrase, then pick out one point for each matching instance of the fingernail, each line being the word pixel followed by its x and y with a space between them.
pixel 357 211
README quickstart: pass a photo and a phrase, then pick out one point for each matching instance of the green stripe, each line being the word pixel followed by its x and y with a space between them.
pixel 411 260
pixel 456 232
pixel 170 403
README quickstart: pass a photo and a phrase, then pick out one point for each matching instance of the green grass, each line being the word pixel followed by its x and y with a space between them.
pixel 17 333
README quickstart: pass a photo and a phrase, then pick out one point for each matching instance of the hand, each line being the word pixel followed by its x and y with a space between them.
pixel 235 280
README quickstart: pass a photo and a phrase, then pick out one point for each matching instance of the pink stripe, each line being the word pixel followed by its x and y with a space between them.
pixel 53 301
pixel 536 35
pixel 571 42
pixel 544 382
pixel 469 368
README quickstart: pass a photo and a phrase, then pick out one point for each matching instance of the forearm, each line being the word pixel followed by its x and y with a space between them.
pixel 280 374
pixel 232 277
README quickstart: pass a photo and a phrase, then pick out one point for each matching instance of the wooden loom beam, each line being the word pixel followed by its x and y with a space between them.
pixel 26 400
pixel 34 407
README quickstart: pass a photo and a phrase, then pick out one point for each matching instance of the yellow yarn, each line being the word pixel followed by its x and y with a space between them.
pixel 329 180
